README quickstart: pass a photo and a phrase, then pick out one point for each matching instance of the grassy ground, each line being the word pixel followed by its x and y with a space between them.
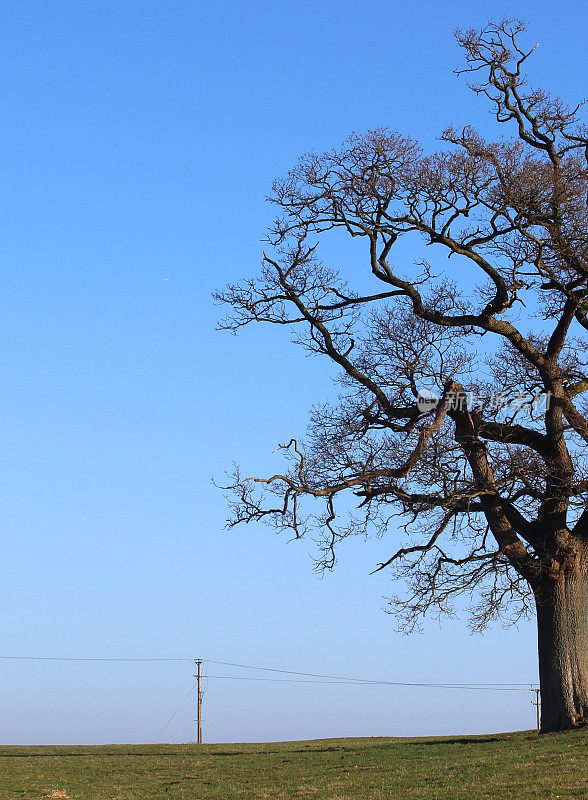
pixel 520 765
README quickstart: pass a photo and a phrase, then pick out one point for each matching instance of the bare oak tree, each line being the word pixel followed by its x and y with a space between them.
pixel 487 486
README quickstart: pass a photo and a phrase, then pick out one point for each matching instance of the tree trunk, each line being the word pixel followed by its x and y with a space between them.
pixel 562 626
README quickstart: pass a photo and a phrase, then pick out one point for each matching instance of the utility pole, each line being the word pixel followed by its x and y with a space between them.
pixel 199 701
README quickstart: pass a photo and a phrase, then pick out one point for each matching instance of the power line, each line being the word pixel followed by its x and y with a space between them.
pixel 174 714
pixel 322 678
pixel 523 687
pixel 359 680
pixel 64 658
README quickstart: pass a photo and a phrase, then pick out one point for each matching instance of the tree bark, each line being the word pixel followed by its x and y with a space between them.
pixel 562 627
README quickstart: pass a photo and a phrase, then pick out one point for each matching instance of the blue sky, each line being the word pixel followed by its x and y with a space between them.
pixel 138 143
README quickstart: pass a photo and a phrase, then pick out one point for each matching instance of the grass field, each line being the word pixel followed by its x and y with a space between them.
pixel 518 765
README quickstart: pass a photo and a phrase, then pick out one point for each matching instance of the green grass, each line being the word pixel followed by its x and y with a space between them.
pixel 519 765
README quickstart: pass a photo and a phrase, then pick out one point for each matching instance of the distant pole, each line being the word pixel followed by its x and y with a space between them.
pixel 538 704
pixel 199 702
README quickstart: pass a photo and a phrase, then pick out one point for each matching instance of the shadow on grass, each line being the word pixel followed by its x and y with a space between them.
pixel 457 741
pixel 90 755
